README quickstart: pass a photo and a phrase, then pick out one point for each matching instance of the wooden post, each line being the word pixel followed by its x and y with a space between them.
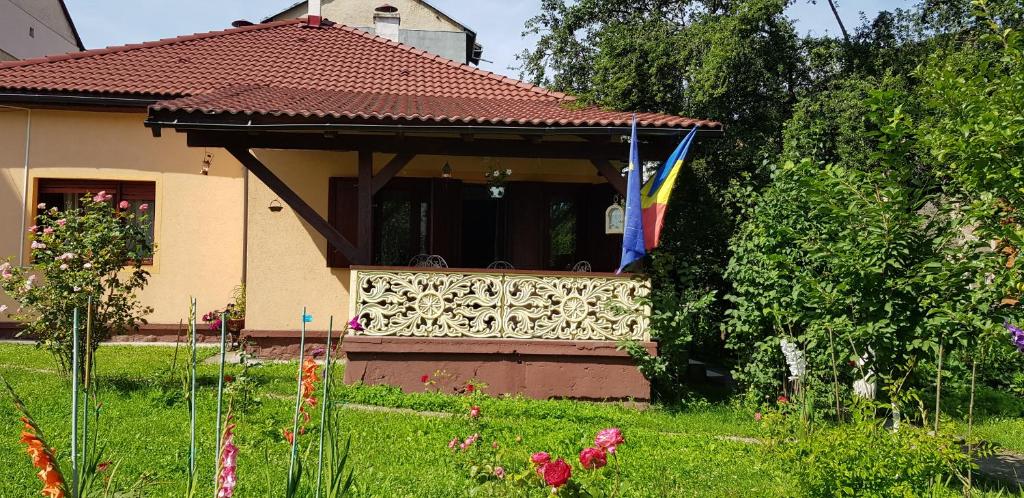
pixel 614 177
pixel 365 206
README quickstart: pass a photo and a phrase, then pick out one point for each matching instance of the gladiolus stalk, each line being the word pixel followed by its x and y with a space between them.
pixel 220 389
pixel 326 405
pixel 298 398
pixel 192 397
pixel 74 400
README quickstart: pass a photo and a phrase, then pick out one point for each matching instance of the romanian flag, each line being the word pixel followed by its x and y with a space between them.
pixel 655 193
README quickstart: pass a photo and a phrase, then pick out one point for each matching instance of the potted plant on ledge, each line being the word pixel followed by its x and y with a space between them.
pixel 235 313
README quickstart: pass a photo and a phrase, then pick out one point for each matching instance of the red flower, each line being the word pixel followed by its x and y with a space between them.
pixel 228 378
pixel 757 416
pixel 557 473
pixel 540 458
pixel 102 466
pixel 424 378
pixel 470 388
pixel 783 400
pixel 474 412
pixel 289 436
pixel 593 458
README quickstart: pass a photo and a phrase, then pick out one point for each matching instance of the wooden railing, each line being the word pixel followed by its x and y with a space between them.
pixel 512 304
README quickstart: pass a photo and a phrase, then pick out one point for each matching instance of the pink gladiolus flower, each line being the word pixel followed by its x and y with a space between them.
pixel 317 352
pixel 499 472
pixel 62 222
pixel 453 443
pixel 355 325
pixel 144 208
pixel 228 465
pixel 48 230
pixel 608 439
pixel 33 228
pixel 474 412
pixel 593 458
pixel 123 205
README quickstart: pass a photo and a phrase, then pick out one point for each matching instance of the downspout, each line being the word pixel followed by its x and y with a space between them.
pixel 24 182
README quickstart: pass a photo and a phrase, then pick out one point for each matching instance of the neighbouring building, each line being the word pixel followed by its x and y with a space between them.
pixel 411 22
pixel 333 170
pixel 34 28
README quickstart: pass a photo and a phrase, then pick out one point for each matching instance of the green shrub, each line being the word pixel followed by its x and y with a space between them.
pixel 865 459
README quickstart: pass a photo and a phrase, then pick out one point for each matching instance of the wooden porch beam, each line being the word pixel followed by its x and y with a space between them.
pixel 614 177
pixel 453 147
pixel 391 169
pixel 304 210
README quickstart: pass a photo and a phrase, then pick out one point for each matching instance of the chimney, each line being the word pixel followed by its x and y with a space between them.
pixel 313 19
pixel 386 21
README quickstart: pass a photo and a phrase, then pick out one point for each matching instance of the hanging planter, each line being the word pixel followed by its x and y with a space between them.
pixel 496 179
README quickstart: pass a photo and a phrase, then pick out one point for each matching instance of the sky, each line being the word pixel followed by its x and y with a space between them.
pixel 498 23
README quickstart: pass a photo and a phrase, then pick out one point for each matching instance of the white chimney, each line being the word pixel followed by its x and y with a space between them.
pixel 313 18
pixel 386 21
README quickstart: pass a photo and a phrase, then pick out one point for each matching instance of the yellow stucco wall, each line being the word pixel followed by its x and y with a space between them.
pixel 198 218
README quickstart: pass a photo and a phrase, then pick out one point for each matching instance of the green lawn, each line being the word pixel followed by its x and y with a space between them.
pixel 393 454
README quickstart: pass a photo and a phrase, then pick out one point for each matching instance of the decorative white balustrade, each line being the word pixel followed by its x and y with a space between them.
pixel 421 302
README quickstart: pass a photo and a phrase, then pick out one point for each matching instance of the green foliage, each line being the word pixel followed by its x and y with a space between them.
pixel 96 251
pixel 865 459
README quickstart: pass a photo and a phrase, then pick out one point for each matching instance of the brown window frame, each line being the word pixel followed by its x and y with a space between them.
pixel 120 190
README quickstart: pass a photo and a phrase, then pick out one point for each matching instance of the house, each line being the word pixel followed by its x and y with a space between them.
pixel 34 28
pixel 411 22
pixel 343 173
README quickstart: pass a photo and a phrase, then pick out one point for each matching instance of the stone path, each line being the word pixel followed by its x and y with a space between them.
pixel 1005 467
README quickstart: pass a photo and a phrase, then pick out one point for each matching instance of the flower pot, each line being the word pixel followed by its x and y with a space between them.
pixel 497 191
pixel 236 326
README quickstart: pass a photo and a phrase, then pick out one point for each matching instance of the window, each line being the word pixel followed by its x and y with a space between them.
pixel 67 194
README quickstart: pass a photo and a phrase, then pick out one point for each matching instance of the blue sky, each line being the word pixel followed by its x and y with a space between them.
pixel 498 23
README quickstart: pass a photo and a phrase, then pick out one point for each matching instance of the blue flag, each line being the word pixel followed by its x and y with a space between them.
pixel 633 232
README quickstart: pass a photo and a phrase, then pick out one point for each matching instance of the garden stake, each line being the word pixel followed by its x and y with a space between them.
pixel 298 398
pixel 192 396
pixel 326 404
pixel 74 403
pixel 87 390
pixel 220 393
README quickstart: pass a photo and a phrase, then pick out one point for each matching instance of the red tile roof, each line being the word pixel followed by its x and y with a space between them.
pixel 363 106
pixel 285 68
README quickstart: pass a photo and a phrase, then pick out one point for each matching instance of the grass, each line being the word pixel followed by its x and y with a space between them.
pixel 668 453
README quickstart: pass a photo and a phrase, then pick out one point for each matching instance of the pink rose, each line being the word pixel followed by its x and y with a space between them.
pixel 593 458
pixel 64 266
pixel 47 231
pixel 540 458
pixel 474 412
pixel 608 439
pixel 123 205
pixel 557 473
pixel 100 197
pixel 499 472
pixel 144 207
pixel 42 205
pixel 62 222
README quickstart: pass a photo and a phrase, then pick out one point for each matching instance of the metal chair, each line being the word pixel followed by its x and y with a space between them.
pixel 428 261
pixel 582 267
pixel 500 265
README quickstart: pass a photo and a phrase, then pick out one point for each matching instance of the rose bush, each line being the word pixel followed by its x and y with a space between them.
pixel 95 251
